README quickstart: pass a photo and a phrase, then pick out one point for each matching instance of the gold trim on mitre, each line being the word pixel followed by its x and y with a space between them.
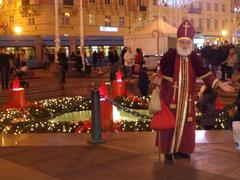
pixel 173 106
pixel 168 78
pixel 189 119
pixel 215 83
pixel 184 38
pixel 205 75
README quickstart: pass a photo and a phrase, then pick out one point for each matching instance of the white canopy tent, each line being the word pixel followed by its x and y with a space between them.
pixel 156 38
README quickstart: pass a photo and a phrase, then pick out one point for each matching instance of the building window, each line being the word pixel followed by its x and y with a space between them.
pixel 208 6
pixel 66 18
pixel 25 2
pixel 200 23
pixel 31 21
pixel 139 2
pixel 68 2
pixel 11 19
pixel 91 19
pixel 216 24
pixel 192 21
pixel 121 2
pixel 200 5
pixel 223 24
pixel 92 1
pixel 107 1
pixel 107 21
pixel 121 21
pixel 208 24
pixel 216 7
pixel 223 7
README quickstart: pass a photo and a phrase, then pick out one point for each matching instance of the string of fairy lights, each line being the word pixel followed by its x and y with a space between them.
pixel 38 116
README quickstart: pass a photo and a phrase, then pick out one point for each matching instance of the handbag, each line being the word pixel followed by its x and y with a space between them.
pixel 163 119
pixel 154 104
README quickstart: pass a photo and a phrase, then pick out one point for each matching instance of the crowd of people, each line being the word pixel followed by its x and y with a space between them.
pixel 14 65
pixel 224 56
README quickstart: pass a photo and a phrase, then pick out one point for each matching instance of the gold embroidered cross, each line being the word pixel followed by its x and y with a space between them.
pixel 190 103
pixel 175 86
pixel 186 26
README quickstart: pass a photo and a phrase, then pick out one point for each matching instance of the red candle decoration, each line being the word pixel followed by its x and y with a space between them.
pixel 118 86
pixel 103 90
pixel 16 83
pixel 16 96
pixel 119 76
pixel 106 115
pixel 106 109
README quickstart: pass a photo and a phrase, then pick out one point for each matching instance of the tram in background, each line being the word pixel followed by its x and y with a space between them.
pixel 28 43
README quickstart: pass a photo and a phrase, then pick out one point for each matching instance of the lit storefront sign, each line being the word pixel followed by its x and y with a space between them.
pixel 108 29
pixel 198 41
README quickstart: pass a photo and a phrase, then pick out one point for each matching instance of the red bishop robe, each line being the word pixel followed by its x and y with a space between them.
pixel 178 92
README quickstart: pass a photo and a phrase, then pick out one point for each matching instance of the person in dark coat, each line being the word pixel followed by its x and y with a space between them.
pixel 5 68
pixel 79 64
pixel 214 59
pixel 113 59
pixel 63 65
pixel 95 58
pixel 206 54
pixel 224 51
pixel 143 81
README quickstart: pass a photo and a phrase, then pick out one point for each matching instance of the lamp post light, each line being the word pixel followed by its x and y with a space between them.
pixel 17 30
pixel 224 34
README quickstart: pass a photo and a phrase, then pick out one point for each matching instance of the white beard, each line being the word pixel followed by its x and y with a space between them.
pixel 184 52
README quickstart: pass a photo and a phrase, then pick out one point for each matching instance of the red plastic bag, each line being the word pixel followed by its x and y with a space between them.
pixel 163 119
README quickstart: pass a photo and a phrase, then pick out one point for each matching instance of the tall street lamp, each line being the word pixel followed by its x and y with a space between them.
pixel 81 32
pixel 57 37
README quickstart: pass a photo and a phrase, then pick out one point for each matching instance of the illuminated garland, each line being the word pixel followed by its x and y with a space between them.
pixel 37 117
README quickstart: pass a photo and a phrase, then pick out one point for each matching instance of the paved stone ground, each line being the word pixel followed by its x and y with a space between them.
pixel 123 156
